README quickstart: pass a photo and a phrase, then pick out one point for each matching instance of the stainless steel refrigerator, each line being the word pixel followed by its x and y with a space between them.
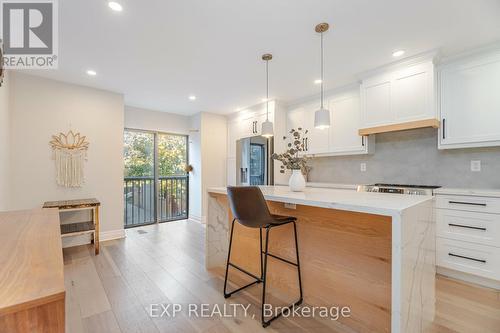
pixel 254 165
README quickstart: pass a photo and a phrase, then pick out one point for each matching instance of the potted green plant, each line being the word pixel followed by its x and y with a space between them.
pixel 292 159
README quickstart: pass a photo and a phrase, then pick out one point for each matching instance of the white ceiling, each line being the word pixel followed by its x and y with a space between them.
pixel 158 52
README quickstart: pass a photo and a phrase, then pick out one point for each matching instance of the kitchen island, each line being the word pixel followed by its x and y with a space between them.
pixel 372 252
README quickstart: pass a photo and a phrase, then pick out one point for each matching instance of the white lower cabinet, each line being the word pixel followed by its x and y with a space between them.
pixel 468 226
pixel 472 258
pixel 468 234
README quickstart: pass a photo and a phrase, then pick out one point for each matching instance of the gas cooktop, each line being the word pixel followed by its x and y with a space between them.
pixel 432 187
pixel 399 189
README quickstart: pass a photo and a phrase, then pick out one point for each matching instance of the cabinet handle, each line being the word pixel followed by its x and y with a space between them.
pixel 466 226
pixel 254 127
pixel 464 257
pixel 363 141
pixel 444 128
pixel 307 144
pixel 467 203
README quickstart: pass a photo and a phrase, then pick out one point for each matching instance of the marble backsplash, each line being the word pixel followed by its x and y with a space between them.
pixel 412 157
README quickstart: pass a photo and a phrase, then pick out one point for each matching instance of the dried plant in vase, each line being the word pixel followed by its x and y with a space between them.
pixel 292 159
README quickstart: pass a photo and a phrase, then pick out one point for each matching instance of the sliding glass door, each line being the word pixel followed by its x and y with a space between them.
pixel 155 184
pixel 172 177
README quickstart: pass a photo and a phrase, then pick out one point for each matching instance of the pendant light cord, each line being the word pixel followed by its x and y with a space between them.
pixel 267 90
pixel 322 71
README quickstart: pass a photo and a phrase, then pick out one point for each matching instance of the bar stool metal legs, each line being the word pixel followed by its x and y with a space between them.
pixel 257 279
pixel 263 265
pixel 266 253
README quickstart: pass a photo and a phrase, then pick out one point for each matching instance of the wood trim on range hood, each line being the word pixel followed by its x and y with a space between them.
pixel 400 127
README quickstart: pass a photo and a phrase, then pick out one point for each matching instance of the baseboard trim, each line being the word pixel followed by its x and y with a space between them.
pixel 112 234
pixel 195 218
pixel 484 282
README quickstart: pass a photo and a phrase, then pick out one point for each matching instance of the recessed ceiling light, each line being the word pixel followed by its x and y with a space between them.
pixel 264 100
pixel 318 81
pixel 238 109
pixel 115 6
pixel 398 53
pixel 91 72
pixel 192 97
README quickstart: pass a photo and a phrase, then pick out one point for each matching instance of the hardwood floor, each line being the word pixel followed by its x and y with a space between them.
pixel 163 264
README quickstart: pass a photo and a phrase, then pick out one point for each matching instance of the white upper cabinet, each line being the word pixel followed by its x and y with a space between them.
pixel 342 137
pixel 247 123
pixel 376 102
pixel 316 140
pixel 469 102
pixel 413 93
pixel 345 118
pixel 399 96
pixel 295 119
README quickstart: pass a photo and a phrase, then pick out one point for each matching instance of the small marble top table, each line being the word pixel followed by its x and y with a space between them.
pixel 79 228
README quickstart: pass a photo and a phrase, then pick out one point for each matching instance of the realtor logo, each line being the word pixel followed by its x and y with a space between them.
pixel 29 33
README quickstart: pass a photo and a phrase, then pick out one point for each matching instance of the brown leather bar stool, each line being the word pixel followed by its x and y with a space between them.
pixel 250 209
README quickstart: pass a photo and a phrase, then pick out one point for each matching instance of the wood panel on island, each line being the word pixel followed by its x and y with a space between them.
pixel 374 254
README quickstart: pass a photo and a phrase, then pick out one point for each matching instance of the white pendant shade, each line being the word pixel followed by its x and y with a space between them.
pixel 322 119
pixel 267 129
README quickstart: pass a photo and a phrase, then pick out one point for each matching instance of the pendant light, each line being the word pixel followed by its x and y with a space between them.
pixel 322 116
pixel 267 126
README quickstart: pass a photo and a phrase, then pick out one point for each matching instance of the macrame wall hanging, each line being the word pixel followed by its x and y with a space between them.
pixel 70 153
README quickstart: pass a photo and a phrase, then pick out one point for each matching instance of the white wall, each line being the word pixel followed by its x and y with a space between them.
pixel 4 143
pixel 195 177
pixel 41 108
pixel 214 154
pixel 207 155
pixel 137 118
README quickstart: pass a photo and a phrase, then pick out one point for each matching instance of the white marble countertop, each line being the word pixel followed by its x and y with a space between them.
pixel 467 191
pixel 333 185
pixel 364 202
pixel 328 185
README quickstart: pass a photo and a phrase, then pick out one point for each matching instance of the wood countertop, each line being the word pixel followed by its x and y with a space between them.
pixel 31 260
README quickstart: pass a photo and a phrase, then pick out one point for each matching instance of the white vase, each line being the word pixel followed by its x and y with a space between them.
pixel 297 181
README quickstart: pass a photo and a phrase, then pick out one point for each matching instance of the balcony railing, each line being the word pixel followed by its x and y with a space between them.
pixel 139 197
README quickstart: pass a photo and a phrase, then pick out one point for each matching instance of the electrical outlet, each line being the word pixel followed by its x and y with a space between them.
pixel 475 166
pixel 362 167
pixel 290 205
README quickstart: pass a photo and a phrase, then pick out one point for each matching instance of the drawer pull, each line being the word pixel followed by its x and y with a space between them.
pixel 464 257
pixel 466 226
pixel 467 203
